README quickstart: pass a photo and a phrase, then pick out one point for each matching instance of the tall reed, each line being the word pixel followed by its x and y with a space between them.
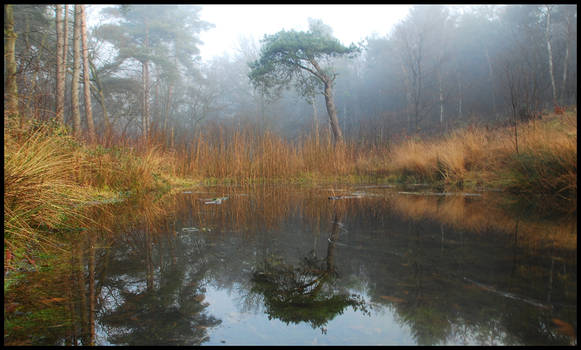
pixel 249 155
pixel 39 187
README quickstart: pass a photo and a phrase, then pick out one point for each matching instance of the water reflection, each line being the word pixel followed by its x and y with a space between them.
pixel 449 270
pixel 307 292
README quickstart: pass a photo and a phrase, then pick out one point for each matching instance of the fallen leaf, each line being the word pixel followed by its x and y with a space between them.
pixel 564 327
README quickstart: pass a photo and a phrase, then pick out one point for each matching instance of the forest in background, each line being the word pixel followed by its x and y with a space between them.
pixel 437 70
pixel 483 99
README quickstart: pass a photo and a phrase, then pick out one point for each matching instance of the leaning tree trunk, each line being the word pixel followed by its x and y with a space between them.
pixel 332 111
pixel 86 82
pixel 76 73
pixel 60 66
pixel 11 92
pixel 329 102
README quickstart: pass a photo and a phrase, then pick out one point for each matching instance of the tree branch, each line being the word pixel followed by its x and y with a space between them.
pixel 322 77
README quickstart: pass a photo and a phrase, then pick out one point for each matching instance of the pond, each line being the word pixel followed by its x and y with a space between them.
pixel 285 265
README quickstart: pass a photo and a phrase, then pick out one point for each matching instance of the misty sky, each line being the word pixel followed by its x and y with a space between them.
pixel 350 23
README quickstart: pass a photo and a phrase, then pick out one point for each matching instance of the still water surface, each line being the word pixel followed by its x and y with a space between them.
pixel 283 265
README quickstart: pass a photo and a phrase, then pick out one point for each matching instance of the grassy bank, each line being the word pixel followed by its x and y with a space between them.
pixel 49 175
pixel 545 163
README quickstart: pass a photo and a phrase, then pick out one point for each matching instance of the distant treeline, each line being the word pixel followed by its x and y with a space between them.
pixel 437 69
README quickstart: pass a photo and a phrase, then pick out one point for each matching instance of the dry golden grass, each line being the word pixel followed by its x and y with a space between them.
pixel 245 155
pixel 415 158
pixel 546 161
pixel 39 187
pixel 48 174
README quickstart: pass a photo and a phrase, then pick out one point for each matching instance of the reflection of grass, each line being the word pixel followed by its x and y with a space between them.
pixel 35 304
pixel 480 215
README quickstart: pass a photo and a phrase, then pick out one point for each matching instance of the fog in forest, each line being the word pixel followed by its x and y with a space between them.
pixel 431 71
pixel 169 167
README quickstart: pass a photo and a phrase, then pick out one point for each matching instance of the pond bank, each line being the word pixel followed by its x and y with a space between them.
pixel 49 175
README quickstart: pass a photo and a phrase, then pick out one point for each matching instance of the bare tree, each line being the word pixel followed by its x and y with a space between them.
pixel 11 93
pixel 64 57
pixel 60 66
pixel 86 82
pixel 550 52
pixel 513 82
pixel 76 73
pixel 145 81
pixel 568 30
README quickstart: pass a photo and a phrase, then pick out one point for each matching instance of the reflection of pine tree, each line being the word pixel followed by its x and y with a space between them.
pixel 170 311
pixel 148 319
pixel 305 293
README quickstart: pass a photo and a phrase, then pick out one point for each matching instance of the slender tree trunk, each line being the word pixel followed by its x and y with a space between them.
pixel 315 120
pixel 148 260
pixel 92 292
pixel 491 80
pixel 145 76
pixel 157 109
pixel 81 285
pixel 565 60
pixel 460 92
pixel 101 96
pixel 418 90
pixel 76 73
pixel 167 108
pixel 408 96
pixel 550 52
pixel 145 117
pixel 64 57
pixel 11 93
pixel 512 85
pixel 330 103
pixel 60 84
pixel 33 105
pixel 86 82
pixel 331 246
pixel 31 85
pixel 441 93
